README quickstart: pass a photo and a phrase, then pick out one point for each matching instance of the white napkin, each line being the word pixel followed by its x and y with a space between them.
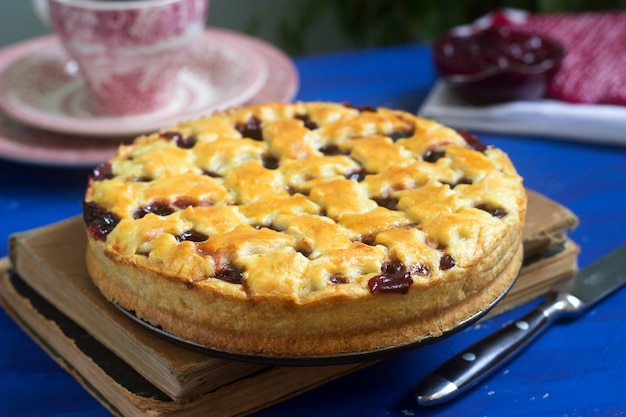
pixel 601 124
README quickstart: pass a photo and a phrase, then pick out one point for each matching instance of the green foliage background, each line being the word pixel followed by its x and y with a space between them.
pixel 369 23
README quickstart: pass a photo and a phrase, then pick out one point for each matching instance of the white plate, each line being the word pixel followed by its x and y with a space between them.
pixel 22 143
pixel 600 124
pixel 37 88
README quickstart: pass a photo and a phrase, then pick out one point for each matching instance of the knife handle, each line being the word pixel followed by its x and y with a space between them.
pixel 475 363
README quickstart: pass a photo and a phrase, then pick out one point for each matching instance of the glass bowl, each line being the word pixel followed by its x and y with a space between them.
pixel 496 64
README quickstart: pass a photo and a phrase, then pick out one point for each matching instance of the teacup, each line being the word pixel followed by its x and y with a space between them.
pixel 129 53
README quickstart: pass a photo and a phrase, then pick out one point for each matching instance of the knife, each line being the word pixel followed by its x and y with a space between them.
pixel 567 299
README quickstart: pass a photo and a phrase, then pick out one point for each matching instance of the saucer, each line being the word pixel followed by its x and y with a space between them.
pixel 21 143
pixel 39 86
pixel 27 144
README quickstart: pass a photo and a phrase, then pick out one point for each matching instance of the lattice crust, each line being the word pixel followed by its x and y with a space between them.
pixel 302 203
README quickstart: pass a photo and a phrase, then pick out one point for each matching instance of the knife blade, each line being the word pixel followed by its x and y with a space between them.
pixel 570 298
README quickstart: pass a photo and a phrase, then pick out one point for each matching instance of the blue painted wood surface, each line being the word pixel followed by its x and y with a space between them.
pixel 577 368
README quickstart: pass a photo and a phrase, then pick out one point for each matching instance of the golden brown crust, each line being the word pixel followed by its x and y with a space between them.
pixel 285 242
pixel 341 325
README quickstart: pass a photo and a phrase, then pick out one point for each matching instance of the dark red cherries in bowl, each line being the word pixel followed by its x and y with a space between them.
pixel 496 64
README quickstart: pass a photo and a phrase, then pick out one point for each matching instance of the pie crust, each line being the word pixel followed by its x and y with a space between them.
pixel 305 229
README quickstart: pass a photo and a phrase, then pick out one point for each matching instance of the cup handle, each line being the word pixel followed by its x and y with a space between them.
pixel 42 10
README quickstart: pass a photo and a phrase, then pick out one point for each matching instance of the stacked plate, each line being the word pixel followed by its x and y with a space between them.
pixel 46 116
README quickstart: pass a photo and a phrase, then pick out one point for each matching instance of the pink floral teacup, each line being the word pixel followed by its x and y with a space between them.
pixel 128 52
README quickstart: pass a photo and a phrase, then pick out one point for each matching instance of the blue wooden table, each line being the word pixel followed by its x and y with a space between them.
pixel 577 368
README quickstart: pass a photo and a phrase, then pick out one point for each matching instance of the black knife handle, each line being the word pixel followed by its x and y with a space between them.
pixel 480 360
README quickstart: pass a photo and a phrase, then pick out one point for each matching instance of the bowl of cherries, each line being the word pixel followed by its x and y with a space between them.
pixel 496 64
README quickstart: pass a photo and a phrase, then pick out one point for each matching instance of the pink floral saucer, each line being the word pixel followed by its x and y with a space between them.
pixel 39 86
pixel 23 143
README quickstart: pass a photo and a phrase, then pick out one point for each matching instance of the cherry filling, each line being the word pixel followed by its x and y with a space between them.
pixel 331 150
pixel 251 128
pixel 230 273
pixel 394 278
pixel 463 180
pixel 141 179
pixel 212 174
pixel 358 175
pixel 338 279
pixel 184 202
pixel 401 134
pixel 368 239
pixel 306 119
pixel 270 161
pixel 184 142
pixel 494 211
pixel 472 141
pixel 361 109
pixel 433 155
pixel 386 202
pixel 266 226
pixel 191 236
pixel 100 222
pixel 294 190
pixel 103 171
pixel 446 262
pixel 160 208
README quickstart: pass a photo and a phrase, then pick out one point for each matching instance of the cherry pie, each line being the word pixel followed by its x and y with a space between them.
pixel 305 229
